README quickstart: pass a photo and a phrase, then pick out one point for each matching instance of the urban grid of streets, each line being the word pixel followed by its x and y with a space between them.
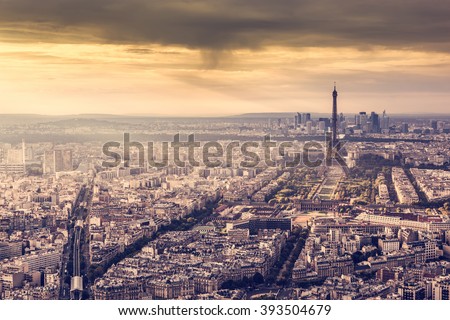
pixel 71 228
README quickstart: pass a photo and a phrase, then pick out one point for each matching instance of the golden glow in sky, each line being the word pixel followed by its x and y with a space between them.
pixel 71 70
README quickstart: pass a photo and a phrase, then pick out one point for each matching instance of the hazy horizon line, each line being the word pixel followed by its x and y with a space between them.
pixel 243 115
pixel 161 115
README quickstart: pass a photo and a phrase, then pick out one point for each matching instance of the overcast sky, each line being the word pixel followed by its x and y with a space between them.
pixel 222 57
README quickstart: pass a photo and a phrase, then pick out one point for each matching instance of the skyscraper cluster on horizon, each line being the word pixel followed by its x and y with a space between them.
pixel 338 123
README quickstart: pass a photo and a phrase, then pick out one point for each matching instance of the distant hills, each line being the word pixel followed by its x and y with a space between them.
pixel 16 119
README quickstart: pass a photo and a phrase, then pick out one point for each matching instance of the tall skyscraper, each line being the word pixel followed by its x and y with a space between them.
pixel 434 124
pixel 63 160
pixel 322 126
pixel 309 127
pixel 363 121
pixel 49 162
pixel 384 122
pixel 326 121
pixel 334 116
pixel 57 161
pixel 305 117
pixel 405 127
pixel 297 120
pixel 374 122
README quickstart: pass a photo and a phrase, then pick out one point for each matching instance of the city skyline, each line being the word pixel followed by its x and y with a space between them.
pixel 254 208
pixel 294 151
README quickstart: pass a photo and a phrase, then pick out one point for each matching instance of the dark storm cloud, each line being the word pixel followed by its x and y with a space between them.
pixel 231 24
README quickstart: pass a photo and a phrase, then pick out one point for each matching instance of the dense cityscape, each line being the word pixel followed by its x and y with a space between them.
pixel 377 227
